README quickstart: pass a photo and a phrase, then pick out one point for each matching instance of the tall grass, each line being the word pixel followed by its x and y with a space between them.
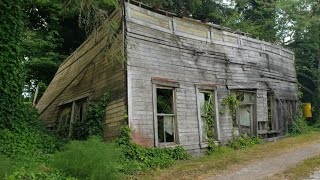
pixel 92 159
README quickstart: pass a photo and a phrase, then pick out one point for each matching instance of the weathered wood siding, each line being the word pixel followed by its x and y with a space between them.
pixel 91 71
pixel 191 52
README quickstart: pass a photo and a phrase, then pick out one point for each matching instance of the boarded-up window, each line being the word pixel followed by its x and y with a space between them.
pixel 165 115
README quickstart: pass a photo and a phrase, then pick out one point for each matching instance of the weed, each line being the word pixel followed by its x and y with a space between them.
pixel 299 126
pixel 243 141
pixel 137 158
pixel 39 173
pixel 91 159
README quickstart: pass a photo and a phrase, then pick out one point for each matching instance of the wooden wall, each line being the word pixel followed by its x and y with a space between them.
pixel 90 71
pixel 191 52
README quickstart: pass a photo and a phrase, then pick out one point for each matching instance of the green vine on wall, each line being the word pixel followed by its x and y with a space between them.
pixel 232 103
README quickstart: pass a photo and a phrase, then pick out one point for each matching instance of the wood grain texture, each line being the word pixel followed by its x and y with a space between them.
pixel 190 53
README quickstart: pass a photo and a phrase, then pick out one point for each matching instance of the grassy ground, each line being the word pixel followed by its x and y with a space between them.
pixel 226 159
pixel 301 171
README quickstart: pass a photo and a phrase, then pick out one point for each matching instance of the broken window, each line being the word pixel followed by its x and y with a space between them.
pixel 208 120
pixel 165 115
pixel 245 111
pixel 245 114
pixel 64 120
pixel 70 113
pixel 80 110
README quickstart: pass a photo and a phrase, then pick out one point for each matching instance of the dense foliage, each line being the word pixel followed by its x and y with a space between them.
pixel 11 66
pixel 209 116
pixel 137 158
pixel 300 125
pixel 92 159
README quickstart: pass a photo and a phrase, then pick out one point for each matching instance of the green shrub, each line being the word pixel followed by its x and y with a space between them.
pixel 37 174
pixel 243 141
pixel 299 126
pixel 27 140
pixel 26 144
pixel 137 158
pixel 92 159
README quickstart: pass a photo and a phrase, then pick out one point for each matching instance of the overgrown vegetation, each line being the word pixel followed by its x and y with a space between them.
pixel 136 158
pixel 27 149
pixel 92 126
pixel 232 103
pixel 91 159
pixel 6 166
pixel 11 66
pixel 243 141
pixel 209 115
pixel 38 173
pixel 30 152
pixel 299 124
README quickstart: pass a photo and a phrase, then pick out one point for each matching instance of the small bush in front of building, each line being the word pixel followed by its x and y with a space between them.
pixel 37 174
pixel 243 141
pixel 27 144
pixel 137 158
pixel 91 159
pixel 299 126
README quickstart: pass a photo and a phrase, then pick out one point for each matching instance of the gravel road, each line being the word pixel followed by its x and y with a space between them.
pixel 265 168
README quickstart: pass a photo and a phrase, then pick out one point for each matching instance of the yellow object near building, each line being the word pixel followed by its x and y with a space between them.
pixel 307 110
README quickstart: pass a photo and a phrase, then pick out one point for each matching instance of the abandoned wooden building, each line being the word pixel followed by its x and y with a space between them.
pixel 162 71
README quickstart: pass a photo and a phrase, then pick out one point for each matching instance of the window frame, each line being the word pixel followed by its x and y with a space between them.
pixel 162 83
pixel 213 89
pixel 244 103
pixel 74 105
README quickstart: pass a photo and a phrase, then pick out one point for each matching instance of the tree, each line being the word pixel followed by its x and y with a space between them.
pixel 302 19
pixel 257 17
pixel 50 36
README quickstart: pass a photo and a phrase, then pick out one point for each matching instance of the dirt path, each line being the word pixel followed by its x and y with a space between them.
pixel 265 168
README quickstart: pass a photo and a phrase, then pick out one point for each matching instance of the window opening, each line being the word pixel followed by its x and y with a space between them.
pixel 206 100
pixel 245 112
pixel 165 115
pixel 69 114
